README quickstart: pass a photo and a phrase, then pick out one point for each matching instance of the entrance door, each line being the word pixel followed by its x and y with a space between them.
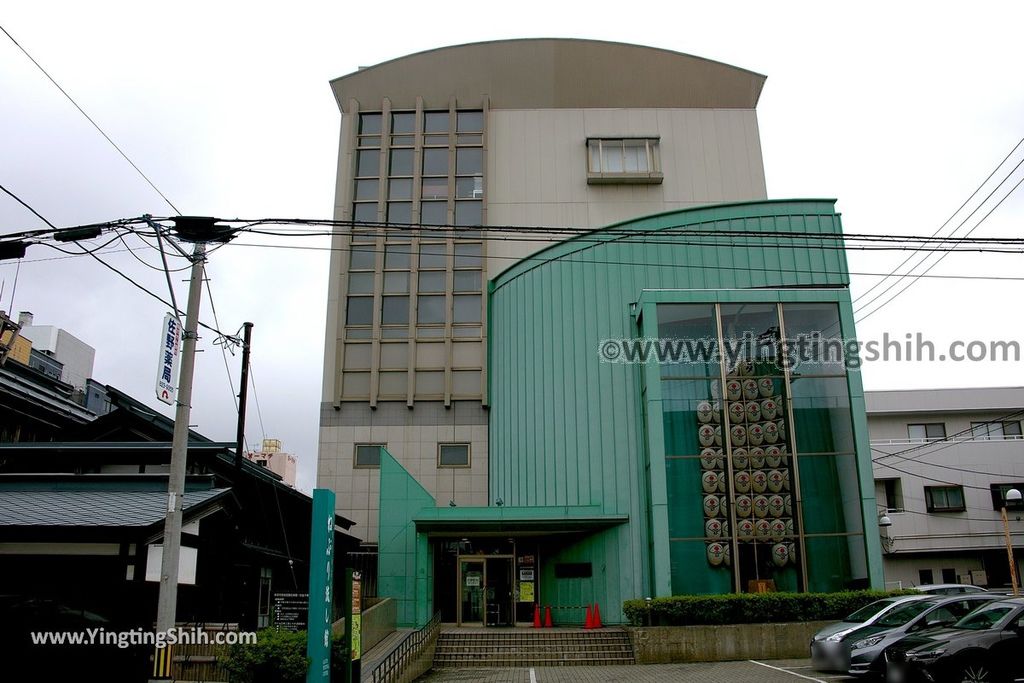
pixel 471 592
pixel 499 592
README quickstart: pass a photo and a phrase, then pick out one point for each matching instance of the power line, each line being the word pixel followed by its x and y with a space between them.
pixel 89 118
pixel 939 260
pixel 689 238
pixel 223 343
pixel 143 261
pixel 22 202
pixel 949 437
pixel 927 478
pixel 944 467
pixel 128 278
pixel 959 209
pixel 444 230
pixel 1007 278
pixel 958 519
pixel 571 259
pixel 256 396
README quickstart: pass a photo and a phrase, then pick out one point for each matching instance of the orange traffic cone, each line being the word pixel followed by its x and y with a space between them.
pixel 589 623
pixel 547 617
pixel 536 615
pixel 597 616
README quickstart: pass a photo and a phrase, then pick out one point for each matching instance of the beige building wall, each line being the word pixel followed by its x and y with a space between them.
pixel 416 447
pixel 537 168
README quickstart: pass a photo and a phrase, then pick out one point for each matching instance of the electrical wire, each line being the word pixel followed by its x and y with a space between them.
pixel 256 398
pixel 130 280
pixel 994 278
pixel 223 342
pixel 589 235
pixel 688 239
pixel 949 437
pixel 947 467
pixel 571 258
pixel 937 261
pixel 954 519
pixel 143 261
pixel 23 203
pixel 947 221
pixel 90 120
pixel 940 481
pixel 686 229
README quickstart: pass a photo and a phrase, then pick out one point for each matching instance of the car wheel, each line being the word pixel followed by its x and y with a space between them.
pixel 976 671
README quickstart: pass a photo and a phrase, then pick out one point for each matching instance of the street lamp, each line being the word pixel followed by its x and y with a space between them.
pixel 883 532
pixel 1012 496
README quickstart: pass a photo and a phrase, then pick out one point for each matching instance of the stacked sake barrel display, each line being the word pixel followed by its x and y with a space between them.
pixel 714 482
pixel 754 435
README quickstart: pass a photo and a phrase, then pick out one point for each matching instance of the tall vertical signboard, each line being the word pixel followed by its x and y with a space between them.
pixel 321 582
pixel 167 369
pixel 357 624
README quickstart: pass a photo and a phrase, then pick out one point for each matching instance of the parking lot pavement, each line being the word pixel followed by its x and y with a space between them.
pixel 773 671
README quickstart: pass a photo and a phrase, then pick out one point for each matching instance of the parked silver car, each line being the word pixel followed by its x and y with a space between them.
pixel 949 588
pixel 827 651
pixel 865 644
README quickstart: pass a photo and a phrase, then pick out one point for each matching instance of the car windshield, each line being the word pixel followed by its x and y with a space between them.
pixel 902 615
pixel 868 611
pixel 982 619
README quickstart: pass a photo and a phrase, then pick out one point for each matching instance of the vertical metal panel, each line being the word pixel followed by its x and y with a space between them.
pixel 565 429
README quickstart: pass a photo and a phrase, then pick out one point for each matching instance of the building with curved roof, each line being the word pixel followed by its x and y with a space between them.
pixel 515 206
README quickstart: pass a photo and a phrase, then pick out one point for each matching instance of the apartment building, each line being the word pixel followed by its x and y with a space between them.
pixel 943 460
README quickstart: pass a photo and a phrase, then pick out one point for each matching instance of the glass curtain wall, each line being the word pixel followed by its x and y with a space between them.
pixel 760 468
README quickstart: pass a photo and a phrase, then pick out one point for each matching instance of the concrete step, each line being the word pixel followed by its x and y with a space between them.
pixel 561 647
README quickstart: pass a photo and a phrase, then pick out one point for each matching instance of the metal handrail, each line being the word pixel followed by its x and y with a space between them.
pixel 392 666
pixel 957 439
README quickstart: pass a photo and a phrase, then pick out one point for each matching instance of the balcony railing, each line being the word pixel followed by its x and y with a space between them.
pixel 951 439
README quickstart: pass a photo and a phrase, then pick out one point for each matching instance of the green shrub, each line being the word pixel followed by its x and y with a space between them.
pixel 278 657
pixel 749 608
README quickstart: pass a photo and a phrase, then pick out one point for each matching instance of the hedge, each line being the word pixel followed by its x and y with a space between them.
pixel 749 608
pixel 278 657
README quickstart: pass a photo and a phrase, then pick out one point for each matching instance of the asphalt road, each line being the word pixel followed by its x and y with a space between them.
pixel 771 671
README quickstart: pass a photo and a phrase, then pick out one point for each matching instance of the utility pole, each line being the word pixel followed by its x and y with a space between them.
pixel 243 393
pixel 168 600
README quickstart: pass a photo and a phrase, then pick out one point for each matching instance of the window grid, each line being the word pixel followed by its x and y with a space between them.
pixel 929 431
pixel 623 159
pixel 418 179
pixel 365 204
pixel 995 431
pixel 453 455
pixel 367 455
pixel 944 498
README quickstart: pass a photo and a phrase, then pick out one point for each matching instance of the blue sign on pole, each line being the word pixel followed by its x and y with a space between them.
pixel 321 584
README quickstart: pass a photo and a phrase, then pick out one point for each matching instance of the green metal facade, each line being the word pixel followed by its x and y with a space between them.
pixel 573 437
pixel 567 429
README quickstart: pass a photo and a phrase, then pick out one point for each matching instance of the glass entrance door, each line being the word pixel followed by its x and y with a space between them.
pixel 471 591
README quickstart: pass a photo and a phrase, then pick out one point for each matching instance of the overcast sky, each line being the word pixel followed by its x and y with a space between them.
pixel 899 110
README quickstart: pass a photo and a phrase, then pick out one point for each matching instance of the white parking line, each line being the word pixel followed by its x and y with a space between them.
pixel 792 673
pixel 533 675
